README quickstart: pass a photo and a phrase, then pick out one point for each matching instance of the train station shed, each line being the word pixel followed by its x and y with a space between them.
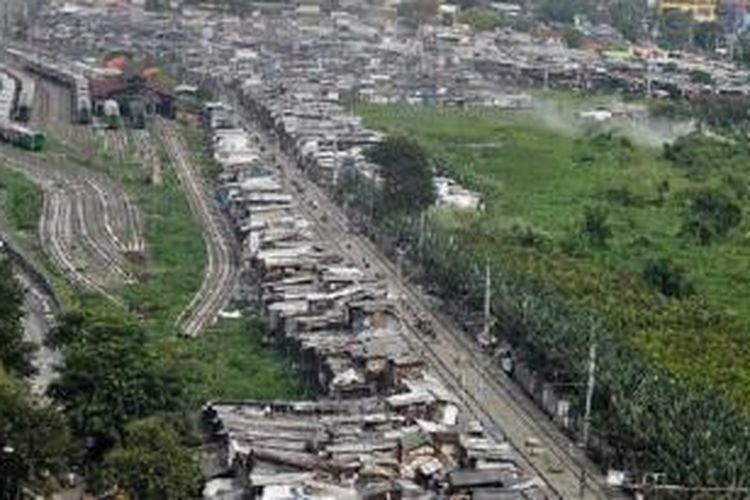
pixel 136 96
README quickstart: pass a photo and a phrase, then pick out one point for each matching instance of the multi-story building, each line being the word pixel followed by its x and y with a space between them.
pixel 701 10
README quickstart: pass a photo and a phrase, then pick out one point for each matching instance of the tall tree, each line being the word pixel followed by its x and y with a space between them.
pixel 15 352
pixel 712 214
pixel 676 30
pixel 561 11
pixel 152 463
pixel 109 378
pixel 595 226
pixel 408 178
pixel 630 17
pixel 33 438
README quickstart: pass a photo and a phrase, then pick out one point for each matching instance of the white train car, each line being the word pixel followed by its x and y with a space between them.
pixel 26 88
pixel 25 95
pixel 11 132
pixel 8 88
pixel 61 73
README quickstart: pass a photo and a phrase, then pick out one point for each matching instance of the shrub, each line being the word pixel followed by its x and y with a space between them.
pixel 668 278
pixel 594 226
pixel 711 216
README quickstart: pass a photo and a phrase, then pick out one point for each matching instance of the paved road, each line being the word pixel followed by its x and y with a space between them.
pixel 484 390
pixel 38 320
pixel 39 309
pixel 221 273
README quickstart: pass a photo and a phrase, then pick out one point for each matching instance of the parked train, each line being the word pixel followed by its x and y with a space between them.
pixel 22 136
pixel 8 89
pixel 25 94
pixel 63 74
pixel 11 132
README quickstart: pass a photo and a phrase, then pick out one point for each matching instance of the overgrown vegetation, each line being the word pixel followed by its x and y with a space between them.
pixel 33 438
pixel 407 187
pixel 110 377
pixel 484 18
pixel 152 462
pixel 726 113
pixel 590 237
pixel 15 352
pixel 23 204
pixel 113 378
pixel 173 272
pixel 128 381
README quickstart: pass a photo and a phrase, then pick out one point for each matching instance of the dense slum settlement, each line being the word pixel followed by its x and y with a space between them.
pixel 382 426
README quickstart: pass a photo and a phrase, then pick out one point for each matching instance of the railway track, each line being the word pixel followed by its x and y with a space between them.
pixel 483 389
pixel 145 151
pixel 87 225
pixel 221 272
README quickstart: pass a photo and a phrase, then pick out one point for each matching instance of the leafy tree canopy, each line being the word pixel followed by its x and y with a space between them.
pixel 408 178
pixel 699 154
pixel 15 352
pixel 418 10
pixel 151 463
pixel 676 29
pixel 561 11
pixel 33 438
pixel 670 279
pixel 109 377
pixel 711 215
pixel 595 226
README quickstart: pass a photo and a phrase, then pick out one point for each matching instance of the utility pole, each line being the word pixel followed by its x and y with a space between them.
pixel 421 233
pixel 485 338
pixel 487 297
pixel 589 392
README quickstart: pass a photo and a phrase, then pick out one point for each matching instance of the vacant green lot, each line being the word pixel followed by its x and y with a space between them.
pixel 542 177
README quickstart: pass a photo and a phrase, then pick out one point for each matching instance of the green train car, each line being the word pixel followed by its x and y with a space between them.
pixel 23 137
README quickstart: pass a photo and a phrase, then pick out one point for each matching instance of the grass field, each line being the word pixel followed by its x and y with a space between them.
pixel 540 176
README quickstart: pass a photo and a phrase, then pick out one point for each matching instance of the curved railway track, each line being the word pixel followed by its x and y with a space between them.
pixel 221 272
pixel 88 224
pixel 483 389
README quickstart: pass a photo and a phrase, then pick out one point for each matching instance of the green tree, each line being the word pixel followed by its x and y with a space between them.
pixel 109 378
pixel 15 352
pixel 151 463
pixel 573 38
pixel 33 438
pixel 706 36
pixel 629 17
pixel 711 215
pixel 702 77
pixel 420 11
pixel 676 30
pixel 408 178
pixel 700 154
pixel 670 279
pixel 560 11
pixel 483 18
pixel 595 227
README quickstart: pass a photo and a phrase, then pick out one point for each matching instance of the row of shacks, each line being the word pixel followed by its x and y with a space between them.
pixel 382 426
